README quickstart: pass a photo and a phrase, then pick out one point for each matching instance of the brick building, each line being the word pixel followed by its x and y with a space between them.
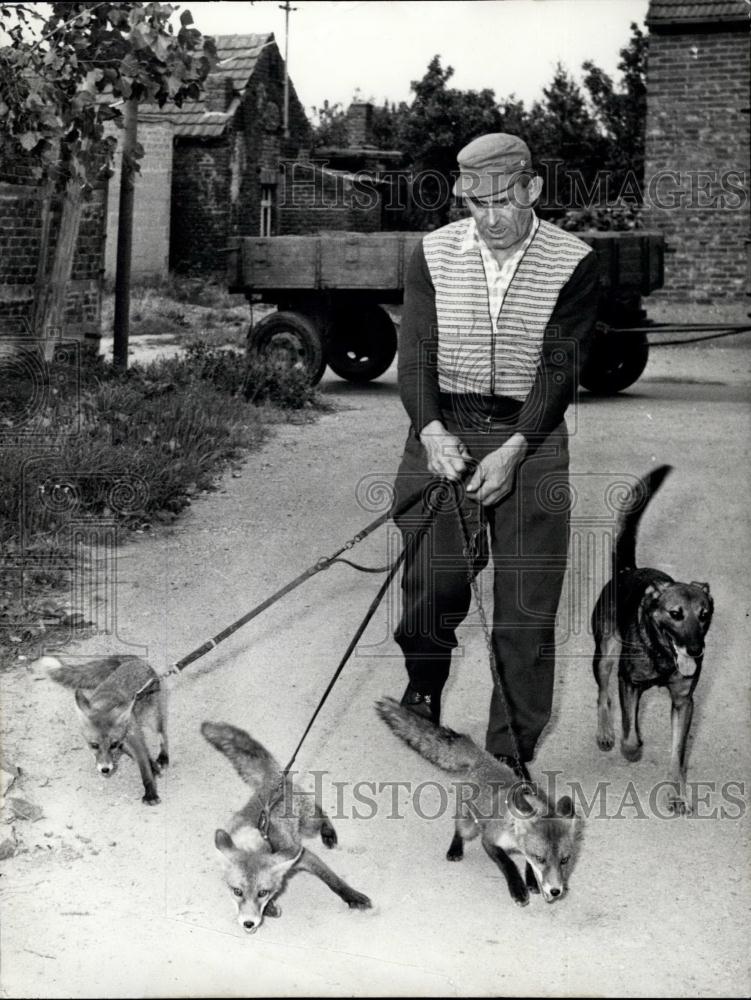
pixel 698 145
pixel 151 202
pixel 227 152
pixel 24 268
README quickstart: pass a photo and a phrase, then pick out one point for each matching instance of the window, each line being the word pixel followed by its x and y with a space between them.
pixel 267 209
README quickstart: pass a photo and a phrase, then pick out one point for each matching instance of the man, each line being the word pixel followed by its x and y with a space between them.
pixel 498 312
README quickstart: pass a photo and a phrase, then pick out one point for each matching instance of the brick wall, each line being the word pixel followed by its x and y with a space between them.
pixel 21 207
pixel 216 187
pixel 151 210
pixel 200 203
pixel 697 160
pixel 313 200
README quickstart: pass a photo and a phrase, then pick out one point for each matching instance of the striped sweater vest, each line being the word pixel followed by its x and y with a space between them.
pixel 470 357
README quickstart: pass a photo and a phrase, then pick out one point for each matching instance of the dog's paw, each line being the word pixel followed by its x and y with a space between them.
pixel 163 759
pixel 521 899
pixel 631 751
pixel 151 799
pixel 156 767
pixel 358 901
pixel 454 854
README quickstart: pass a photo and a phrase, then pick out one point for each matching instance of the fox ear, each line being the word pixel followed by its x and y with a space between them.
pixel 122 718
pixel 519 802
pixel 702 586
pixel 565 807
pixel 224 843
pixel 82 702
pixel 285 861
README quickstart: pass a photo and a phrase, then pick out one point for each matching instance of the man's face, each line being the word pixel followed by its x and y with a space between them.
pixel 504 219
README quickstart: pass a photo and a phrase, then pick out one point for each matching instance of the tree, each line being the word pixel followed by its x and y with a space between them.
pixel 329 125
pixel 64 76
pixel 439 122
pixel 621 113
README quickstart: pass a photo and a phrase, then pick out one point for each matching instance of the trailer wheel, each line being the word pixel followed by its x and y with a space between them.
pixel 616 361
pixel 290 339
pixel 363 343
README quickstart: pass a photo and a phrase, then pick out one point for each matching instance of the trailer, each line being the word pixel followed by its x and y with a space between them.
pixel 330 291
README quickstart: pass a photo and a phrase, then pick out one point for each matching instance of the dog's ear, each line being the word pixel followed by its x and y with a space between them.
pixel 701 586
pixel 654 590
pixel 565 807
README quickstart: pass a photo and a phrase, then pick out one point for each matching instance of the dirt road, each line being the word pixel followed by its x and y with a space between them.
pixel 107 897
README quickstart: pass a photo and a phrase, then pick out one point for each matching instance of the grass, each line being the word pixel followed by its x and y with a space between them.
pixel 185 310
pixel 83 446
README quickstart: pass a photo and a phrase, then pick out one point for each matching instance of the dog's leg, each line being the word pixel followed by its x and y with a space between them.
pixel 630 697
pixel 681 711
pixel 607 652
pixel 517 888
pixel 310 862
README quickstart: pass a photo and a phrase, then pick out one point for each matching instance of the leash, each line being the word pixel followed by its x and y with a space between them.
pixel 470 551
pixel 408 548
pixel 323 563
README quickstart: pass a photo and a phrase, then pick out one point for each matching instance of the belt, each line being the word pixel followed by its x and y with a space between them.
pixel 479 409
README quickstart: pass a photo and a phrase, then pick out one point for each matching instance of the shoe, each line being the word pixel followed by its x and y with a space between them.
pixel 426 705
pixel 517 766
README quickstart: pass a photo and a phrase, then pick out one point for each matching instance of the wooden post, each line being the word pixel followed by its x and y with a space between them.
pixel 125 238
pixel 50 317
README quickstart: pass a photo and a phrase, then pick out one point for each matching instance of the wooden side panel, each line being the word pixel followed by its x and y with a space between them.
pixel 280 262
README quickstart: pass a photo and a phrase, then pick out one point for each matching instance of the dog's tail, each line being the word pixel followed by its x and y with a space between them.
pixel 624 554
pixel 252 761
pixel 449 750
pixel 87 675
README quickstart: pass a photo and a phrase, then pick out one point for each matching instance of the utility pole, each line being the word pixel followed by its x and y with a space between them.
pixel 287 10
pixel 125 238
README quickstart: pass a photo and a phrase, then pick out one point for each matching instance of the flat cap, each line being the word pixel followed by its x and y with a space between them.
pixel 490 164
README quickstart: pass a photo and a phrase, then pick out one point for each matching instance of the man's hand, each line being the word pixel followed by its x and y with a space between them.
pixel 446 453
pixel 494 476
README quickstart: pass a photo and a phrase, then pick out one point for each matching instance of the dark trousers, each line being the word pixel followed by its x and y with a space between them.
pixel 529 542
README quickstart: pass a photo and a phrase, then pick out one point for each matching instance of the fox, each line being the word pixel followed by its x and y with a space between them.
pixel 263 845
pixel 513 818
pixel 111 716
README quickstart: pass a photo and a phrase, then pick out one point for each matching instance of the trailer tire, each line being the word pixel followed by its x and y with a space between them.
pixel 617 359
pixel 292 339
pixel 363 343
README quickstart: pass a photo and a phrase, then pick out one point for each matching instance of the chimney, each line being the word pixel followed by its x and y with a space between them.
pixel 360 124
pixel 218 91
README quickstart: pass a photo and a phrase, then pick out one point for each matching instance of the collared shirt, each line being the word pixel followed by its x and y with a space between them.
pixel 498 276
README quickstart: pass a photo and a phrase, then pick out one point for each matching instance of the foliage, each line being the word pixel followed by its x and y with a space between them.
pixel 330 125
pixel 621 113
pixel 64 76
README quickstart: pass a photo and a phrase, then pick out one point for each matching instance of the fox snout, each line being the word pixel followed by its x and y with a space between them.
pixel 249 924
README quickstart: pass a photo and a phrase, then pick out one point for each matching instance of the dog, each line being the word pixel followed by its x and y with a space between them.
pixel 653 628
pixel 111 716
pixel 263 846
pixel 513 818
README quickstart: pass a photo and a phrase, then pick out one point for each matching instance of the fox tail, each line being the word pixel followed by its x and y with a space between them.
pixel 448 750
pixel 81 675
pixel 252 761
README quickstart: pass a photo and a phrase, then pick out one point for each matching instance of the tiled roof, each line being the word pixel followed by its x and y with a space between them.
pixel 238 56
pixel 666 12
